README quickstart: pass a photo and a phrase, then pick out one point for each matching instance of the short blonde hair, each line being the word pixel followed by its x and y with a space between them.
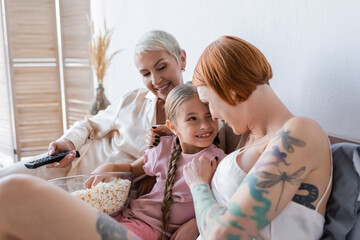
pixel 157 40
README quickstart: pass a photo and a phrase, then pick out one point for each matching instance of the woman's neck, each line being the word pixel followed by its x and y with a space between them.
pixel 268 114
pixel 160 112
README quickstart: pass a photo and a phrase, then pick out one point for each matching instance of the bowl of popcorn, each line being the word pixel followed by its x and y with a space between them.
pixel 107 191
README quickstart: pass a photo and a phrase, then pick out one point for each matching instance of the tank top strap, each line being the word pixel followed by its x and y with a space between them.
pixel 330 180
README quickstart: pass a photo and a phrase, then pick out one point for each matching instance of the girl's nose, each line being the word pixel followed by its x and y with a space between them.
pixel 204 124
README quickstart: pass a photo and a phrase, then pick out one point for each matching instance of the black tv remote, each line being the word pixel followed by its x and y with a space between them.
pixel 49 159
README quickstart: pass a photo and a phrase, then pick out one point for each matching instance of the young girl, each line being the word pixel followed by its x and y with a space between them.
pixel 169 205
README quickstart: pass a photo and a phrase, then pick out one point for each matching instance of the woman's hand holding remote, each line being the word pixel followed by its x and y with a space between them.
pixel 61 146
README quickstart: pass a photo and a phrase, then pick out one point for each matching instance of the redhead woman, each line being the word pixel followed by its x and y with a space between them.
pixel 277 184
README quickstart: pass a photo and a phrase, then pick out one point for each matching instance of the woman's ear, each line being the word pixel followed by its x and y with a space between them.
pixel 172 127
pixel 183 60
pixel 234 96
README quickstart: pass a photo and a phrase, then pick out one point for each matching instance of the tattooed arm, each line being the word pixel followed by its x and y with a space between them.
pixel 291 161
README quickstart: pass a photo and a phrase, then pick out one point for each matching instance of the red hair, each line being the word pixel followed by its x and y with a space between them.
pixel 232 64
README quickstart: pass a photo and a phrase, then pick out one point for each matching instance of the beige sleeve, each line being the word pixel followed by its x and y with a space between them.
pixel 93 127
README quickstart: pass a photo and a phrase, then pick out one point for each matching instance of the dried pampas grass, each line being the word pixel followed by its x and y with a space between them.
pixel 98 52
pixel 100 61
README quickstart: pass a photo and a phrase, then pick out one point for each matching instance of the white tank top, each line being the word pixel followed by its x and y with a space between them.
pixel 294 222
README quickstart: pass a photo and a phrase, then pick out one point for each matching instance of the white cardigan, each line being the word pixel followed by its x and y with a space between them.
pixel 116 134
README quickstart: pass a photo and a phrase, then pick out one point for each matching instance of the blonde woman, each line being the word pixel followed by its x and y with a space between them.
pixel 117 134
pixel 152 216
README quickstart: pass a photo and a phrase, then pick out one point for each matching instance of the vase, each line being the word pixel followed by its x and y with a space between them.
pixel 100 102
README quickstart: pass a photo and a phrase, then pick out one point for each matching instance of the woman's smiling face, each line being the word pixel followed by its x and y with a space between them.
pixel 160 71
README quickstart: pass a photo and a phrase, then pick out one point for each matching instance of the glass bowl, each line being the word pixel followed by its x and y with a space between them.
pixel 109 192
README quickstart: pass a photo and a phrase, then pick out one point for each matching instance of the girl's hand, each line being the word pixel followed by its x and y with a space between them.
pixel 153 135
pixel 61 146
pixel 199 170
pixel 92 181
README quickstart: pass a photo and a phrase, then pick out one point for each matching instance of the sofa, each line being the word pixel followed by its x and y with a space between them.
pixel 342 218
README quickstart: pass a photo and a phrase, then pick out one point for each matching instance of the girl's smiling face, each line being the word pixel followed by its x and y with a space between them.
pixel 194 125
pixel 160 71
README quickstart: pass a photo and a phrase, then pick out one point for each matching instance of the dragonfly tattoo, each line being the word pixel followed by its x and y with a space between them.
pixel 283 177
pixel 288 141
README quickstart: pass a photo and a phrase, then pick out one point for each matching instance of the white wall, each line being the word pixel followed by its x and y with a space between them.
pixel 312 45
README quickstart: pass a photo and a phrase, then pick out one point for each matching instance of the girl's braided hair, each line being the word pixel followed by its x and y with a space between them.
pixel 175 98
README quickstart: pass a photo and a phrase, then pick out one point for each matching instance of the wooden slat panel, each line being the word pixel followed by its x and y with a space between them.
pixel 32 36
pixel 36 85
pixel 76 29
pixel 32 28
pixel 78 74
pixel 33 50
pixel 79 93
pixel 38 106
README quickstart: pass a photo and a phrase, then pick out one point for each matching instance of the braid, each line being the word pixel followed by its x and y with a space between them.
pixel 170 180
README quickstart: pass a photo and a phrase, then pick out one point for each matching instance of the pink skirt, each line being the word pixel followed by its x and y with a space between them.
pixel 138 227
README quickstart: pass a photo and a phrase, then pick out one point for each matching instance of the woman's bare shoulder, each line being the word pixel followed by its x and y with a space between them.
pixel 311 135
pixel 306 128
